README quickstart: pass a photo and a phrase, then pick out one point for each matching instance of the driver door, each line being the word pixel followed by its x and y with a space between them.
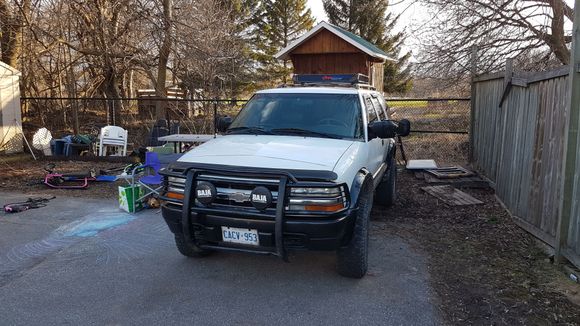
pixel 376 151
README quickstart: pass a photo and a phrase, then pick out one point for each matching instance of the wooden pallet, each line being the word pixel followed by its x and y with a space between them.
pixel 450 172
pixel 451 196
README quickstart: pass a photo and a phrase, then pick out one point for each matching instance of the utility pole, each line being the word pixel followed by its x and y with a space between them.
pixel 571 141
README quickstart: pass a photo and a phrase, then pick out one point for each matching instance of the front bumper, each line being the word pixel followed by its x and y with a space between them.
pixel 277 230
pixel 325 233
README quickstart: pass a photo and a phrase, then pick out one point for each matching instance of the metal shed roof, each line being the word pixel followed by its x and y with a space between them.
pixel 353 39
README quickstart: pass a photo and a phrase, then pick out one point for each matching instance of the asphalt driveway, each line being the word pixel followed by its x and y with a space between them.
pixel 82 261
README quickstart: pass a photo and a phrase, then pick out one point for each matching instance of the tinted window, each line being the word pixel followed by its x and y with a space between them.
pixel 334 114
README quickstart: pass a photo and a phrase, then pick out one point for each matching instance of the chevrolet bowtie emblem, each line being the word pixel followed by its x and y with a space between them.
pixel 239 197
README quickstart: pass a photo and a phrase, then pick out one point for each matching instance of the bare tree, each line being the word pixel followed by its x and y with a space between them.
pixel 499 29
pixel 12 24
pixel 164 52
pixel 107 48
pixel 210 52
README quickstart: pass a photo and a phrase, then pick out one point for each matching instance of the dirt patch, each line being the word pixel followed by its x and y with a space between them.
pixel 24 175
pixel 485 270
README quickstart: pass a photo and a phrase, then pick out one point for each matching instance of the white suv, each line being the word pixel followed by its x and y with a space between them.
pixel 296 169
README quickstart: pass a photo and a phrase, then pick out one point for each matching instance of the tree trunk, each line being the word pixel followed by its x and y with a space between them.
pixel 164 52
pixel 556 41
pixel 114 105
pixel 11 25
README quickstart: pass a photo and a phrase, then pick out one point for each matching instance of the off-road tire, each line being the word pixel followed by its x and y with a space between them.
pixel 386 192
pixel 189 251
pixel 352 260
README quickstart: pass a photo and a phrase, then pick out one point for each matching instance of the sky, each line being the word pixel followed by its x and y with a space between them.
pixel 413 16
pixel 411 11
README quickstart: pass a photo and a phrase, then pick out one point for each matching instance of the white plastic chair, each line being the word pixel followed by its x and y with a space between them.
pixel 115 138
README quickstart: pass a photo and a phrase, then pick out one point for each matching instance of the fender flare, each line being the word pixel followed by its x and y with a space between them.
pixel 361 178
pixel 392 150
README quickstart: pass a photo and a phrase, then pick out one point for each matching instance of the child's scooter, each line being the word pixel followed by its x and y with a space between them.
pixel 79 180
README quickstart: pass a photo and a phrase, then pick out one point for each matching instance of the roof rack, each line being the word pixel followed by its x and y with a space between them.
pixel 331 80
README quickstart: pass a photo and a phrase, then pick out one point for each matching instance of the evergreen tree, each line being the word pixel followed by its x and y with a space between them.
pixel 370 20
pixel 278 23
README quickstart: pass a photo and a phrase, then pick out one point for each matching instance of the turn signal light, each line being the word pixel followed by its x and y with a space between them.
pixel 174 195
pixel 325 208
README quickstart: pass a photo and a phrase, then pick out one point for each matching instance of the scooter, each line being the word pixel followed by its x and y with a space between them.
pixel 78 180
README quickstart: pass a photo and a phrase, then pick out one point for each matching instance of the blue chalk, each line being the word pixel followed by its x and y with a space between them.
pixel 94 224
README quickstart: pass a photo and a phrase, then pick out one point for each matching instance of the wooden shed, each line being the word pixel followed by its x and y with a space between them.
pixel 10 116
pixel 177 109
pixel 329 49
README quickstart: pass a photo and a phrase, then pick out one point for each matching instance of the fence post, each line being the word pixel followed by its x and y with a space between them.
pixel 107 109
pixel 509 71
pixel 571 141
pixel 473 73
pixel 75 108
pixel 215 105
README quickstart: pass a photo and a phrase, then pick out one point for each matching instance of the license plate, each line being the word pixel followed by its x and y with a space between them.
pixel 241 236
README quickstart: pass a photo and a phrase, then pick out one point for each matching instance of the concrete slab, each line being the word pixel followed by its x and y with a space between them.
pixel 129 272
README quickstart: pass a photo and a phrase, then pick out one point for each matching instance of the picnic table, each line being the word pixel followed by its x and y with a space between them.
pixel 179 139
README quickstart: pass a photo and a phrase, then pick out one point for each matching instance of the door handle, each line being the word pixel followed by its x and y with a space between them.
pixel 383 141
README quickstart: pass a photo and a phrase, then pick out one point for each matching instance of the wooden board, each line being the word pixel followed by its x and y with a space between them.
pixel 450 172
pixel 330 63
pixel 325 42
pixel 451 196
pixel 467 182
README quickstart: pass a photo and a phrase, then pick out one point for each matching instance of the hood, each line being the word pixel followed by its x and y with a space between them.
pixel 265 151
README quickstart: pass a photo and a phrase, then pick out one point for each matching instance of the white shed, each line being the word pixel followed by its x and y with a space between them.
pixel 10 118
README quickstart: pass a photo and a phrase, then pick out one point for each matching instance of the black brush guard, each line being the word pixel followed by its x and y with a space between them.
pixel 189 220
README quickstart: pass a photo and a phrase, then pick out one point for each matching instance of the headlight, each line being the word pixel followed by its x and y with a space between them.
pixel 318 199
pixel 175 188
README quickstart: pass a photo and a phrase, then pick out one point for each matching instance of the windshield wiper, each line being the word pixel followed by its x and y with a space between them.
pixel 249 130
pixel 304 132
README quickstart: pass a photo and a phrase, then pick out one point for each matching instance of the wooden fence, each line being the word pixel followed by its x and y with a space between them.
pixel 518 141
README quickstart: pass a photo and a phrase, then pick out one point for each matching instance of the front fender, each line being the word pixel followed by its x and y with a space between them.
pixel 358 183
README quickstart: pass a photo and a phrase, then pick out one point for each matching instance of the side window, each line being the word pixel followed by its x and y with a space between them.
pixel 379 107
pixel 371 113
pixel 359 133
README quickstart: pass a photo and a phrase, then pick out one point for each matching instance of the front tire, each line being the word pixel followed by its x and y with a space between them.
pixel 386 192
pixel 189 251
pixel 352 261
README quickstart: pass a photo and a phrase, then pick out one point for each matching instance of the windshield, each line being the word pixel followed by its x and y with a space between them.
pixel 313 115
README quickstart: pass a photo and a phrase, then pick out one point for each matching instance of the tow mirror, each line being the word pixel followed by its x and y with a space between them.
pixel 389 129
pixel 382 129
pixel 224 123
pixel 404 128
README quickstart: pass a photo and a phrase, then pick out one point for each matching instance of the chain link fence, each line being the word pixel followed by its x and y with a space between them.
pixel 66 116
pixel 439 126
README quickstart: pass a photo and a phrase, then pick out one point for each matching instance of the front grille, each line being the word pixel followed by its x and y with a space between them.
pixel 233 192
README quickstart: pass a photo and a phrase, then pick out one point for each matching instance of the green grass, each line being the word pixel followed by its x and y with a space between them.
pixel 408 104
